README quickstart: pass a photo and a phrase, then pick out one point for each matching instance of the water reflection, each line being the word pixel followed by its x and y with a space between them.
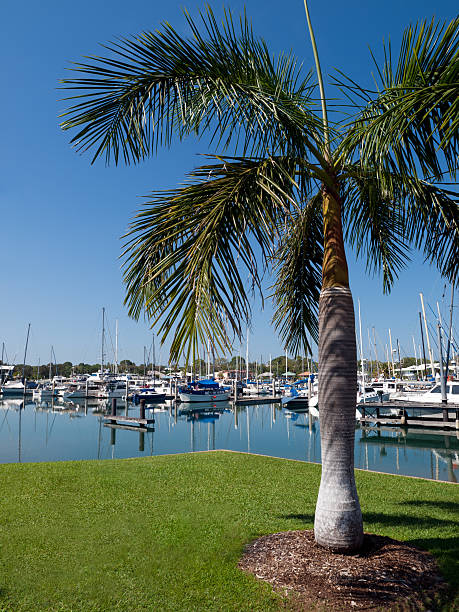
pixel 52 431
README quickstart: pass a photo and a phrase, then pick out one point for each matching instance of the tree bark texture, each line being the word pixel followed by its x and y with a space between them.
pixel 338 519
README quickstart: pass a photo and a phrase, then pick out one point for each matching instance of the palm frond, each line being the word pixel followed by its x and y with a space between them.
pixel 373 222
pixel 387 213
pixel 297 264
pixel 432 224
pixel 413 118
pixel 196 254
pixel 162 84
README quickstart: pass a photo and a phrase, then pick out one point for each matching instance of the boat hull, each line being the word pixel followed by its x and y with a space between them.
pixel 203 397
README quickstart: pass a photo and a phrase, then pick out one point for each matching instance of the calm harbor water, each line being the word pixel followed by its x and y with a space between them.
pixel 59 432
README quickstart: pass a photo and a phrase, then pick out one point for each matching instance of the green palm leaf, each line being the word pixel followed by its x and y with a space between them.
pixel 162 84
pixel 298 269
pixel 374 224
pixel 432 224
pixel 197 253
pixel 414 117
pixel 385 213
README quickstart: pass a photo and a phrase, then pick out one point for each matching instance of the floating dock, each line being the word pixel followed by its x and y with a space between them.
pixel 445 416
pixel 127 420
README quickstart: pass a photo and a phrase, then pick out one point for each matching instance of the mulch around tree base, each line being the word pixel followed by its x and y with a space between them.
pixel 384 575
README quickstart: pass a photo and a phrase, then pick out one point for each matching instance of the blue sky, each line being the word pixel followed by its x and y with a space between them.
pixel 62 219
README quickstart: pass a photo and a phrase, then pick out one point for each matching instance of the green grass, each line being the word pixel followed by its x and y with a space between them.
pixel 165 533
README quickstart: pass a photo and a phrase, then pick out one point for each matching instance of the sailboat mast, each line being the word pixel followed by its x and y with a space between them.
pixel 116 346
pixel 391 354
pixel 247 357
pixel 423 347
pixel 25 354
pixel 153 358
pixel 376 351
pixel 427 336
pixel 416 358
pixel 369 349
pixel 361 349
pixel 450 334
pixel 103 341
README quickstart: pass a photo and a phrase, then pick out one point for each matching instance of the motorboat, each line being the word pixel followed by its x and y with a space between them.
pixel 203 391
pixel 16 388
pixel 116 390
pixel 83 391
pixel 43 392
pixel 369 395
pixel 149 395
pixel 433 396
pixel 295 397
pixel 253 388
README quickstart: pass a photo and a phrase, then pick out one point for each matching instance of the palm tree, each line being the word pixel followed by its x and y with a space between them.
pixel 283 193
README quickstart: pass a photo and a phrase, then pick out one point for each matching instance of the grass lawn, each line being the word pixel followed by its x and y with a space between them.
pixel 165 533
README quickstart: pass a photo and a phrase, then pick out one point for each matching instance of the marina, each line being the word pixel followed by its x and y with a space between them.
pixel 61 431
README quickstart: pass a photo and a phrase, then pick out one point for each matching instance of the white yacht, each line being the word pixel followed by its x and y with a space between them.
pixel 433 396
pixel 15 388
pixel 44 391
pixel 83 390
pixel 203 391
pixel 252 388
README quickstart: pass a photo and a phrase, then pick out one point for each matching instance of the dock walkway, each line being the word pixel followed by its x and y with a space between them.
pixel 446 417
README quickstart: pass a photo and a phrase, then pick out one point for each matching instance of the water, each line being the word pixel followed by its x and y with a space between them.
pixel 60 432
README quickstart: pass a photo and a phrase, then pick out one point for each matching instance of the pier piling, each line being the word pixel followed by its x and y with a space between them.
pixel 114 406
pixel 142 408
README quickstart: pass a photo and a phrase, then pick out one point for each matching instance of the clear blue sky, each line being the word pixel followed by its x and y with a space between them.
pixel 61 219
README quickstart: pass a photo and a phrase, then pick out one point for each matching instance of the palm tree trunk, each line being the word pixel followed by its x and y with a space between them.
pixel 338 518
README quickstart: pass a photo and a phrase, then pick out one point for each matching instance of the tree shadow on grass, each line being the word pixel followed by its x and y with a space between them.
pixel 442 505
pixel 306 518
pixel 390 520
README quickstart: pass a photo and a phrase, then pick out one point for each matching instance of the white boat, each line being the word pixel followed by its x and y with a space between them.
pixel 44 392
pixel 252 388
pixel 203 391
pixel 82 391
pixel 433 396
pixel 295 397
pixel 15 388
pixel 370 395
pixel 116 390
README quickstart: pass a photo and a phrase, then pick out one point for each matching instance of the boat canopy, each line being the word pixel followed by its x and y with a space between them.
pixel 209 382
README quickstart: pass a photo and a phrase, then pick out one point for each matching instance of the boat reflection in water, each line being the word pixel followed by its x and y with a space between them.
pixel 52 430
pixel 442 449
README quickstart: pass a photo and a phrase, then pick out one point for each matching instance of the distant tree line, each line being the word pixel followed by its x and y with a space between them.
pixel 295 365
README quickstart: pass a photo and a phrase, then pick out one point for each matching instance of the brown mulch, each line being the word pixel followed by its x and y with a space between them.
pixel 384 575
